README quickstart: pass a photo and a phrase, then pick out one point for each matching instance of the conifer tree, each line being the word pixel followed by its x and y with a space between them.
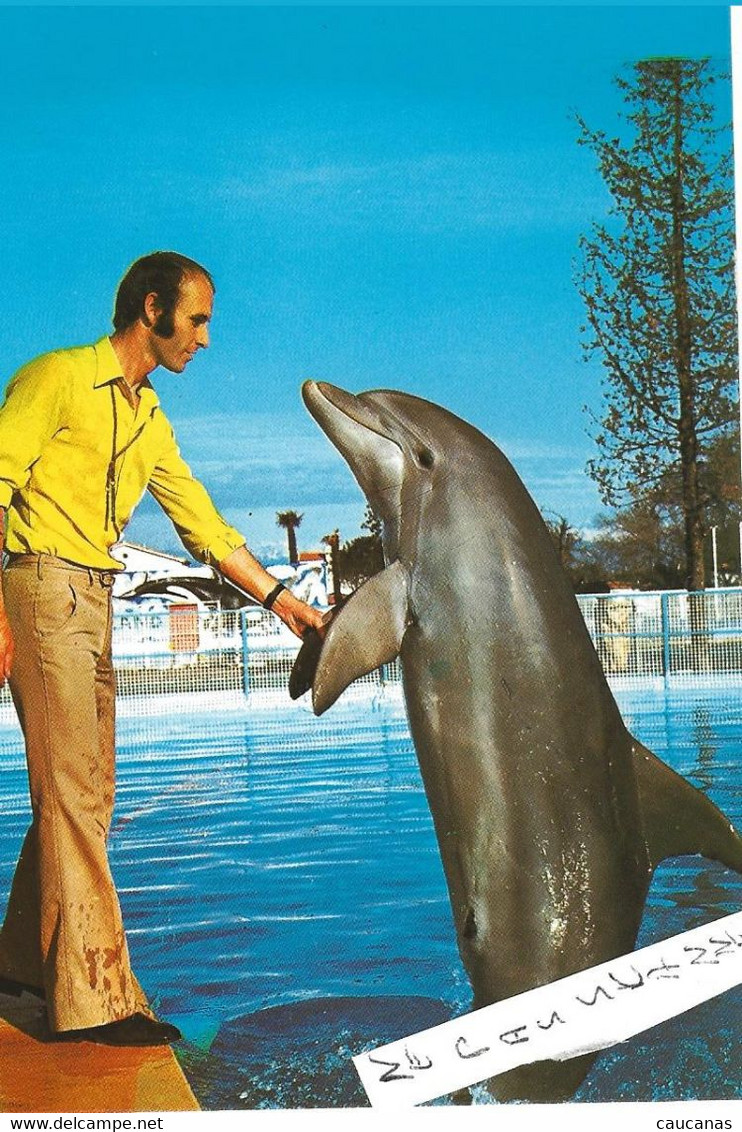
pixel 657 279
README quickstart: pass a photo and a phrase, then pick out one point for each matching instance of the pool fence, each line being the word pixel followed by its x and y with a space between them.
pixel 189 656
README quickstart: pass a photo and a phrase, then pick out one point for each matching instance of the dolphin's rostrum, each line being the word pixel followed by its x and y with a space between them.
pixel 550 817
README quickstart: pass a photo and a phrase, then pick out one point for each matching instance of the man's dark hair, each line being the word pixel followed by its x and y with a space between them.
pixel 160 273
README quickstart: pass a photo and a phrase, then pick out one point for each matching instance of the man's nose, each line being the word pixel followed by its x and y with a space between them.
pixel 202 336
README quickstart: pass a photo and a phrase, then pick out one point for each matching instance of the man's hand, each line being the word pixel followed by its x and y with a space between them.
pixel 297 615
pixel 242 568
pixel 7 647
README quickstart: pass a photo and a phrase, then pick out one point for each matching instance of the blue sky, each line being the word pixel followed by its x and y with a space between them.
pixel 386 196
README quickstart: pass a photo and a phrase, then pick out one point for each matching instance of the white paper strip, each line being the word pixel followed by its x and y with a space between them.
pixel 588 1011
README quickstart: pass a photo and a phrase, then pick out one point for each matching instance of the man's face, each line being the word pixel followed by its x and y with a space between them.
pixel 190 321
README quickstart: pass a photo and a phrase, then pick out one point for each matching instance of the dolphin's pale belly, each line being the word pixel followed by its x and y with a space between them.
pixel 537 821
pixel 537 856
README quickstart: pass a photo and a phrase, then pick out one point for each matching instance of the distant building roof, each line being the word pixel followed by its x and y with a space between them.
pixel 142 559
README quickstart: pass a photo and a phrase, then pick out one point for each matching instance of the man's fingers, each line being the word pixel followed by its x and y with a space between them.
pixel 324 622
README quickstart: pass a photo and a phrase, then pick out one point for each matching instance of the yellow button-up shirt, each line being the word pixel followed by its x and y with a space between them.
pixel 76 458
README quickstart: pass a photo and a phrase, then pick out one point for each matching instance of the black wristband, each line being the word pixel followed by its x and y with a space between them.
pixel 268 603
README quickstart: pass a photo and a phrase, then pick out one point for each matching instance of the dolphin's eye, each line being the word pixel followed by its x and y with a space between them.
pixel 425 458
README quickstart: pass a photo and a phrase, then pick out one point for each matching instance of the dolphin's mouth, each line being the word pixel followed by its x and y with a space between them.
pixel 358 432
pixel 321 398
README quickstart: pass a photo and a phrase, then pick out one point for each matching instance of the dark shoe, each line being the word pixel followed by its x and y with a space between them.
pixel 11 986
pixel 137 1030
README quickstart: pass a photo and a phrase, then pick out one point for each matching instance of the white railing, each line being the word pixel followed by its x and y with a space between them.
pixel 673 635
pixel 170 660
pixel 185 657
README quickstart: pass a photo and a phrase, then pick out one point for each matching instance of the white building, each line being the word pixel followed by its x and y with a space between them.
pixel 144 565
pixel 169 576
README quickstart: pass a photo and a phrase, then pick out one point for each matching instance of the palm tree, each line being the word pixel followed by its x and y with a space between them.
pixel 290 520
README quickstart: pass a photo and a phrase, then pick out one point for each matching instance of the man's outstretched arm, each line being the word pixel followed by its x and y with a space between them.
pixel 242 568
pixel 206 535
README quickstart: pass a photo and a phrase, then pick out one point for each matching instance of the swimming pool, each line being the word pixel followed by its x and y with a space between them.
pixel 284 898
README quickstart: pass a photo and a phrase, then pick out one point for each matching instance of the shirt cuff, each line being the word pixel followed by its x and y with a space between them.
pixel 6 495
pixel 221 548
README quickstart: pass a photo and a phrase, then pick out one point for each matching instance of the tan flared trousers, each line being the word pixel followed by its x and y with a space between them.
pixel 63 929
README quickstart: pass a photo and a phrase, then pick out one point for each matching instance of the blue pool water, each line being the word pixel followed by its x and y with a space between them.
pixel 269 862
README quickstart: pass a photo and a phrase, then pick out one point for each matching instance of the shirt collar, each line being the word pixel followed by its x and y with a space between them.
pixel 108 370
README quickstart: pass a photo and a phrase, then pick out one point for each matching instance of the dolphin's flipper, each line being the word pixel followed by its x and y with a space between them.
pixel 680 819
pixel 305 665
pixel 365 634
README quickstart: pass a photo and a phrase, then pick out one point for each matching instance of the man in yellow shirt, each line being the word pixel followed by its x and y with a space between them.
pixel 82 436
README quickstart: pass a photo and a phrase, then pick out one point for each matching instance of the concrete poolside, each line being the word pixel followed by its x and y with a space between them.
pixel 39 1075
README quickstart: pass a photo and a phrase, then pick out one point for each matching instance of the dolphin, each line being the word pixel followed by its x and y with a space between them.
pixel 549 815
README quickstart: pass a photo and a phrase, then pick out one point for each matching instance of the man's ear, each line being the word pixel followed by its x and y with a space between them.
pixel 151 309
